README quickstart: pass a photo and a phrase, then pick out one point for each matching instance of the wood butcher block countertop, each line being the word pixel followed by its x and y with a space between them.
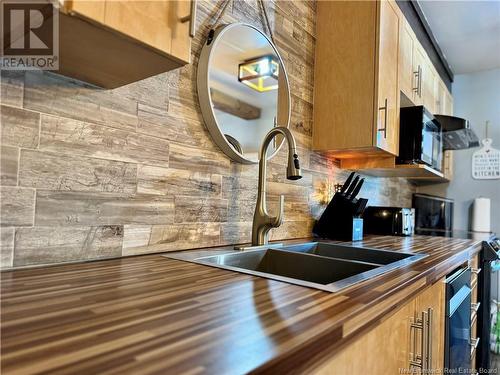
pixel 149 314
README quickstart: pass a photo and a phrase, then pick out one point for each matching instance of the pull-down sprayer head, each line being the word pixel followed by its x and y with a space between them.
pixel 293 167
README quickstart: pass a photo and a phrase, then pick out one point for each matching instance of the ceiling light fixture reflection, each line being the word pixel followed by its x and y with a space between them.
pixel 261 74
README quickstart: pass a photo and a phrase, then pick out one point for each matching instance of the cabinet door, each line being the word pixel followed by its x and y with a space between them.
pixel 433 298
pixel 92 10
pixel 387 132
pixel 440 97
pixel 429 86
pixel 448 106
pixel 383 350
pixel 448 165
pixel 155 23
pixel 418 69
pixel 405 66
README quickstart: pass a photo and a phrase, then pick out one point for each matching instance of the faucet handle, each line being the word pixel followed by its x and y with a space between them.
pixel 278 219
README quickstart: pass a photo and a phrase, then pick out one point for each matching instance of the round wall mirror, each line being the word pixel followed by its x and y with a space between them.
pixel 243 90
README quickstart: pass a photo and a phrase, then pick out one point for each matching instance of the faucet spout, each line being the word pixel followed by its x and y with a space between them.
pixel 262 221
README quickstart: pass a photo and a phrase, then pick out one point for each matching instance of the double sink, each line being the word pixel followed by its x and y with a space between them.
pixel 325 266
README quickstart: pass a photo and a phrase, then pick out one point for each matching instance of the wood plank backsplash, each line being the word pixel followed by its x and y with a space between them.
pixel 88 173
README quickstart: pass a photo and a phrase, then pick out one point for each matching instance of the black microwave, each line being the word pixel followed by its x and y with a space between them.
pixel 420 138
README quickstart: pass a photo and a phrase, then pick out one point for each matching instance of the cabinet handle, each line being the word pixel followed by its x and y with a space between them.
pixel 424 324
pixel 475 307
pixel 416 74
pixel 429 337
pixel 192 19
pixel 420 81
pixel 384 129
pixel 473 345
pixel 475 270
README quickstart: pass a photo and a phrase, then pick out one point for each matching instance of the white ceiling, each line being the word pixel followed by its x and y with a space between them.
pixel 468 32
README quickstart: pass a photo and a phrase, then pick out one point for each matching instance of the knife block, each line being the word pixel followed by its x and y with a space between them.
pixel 338 221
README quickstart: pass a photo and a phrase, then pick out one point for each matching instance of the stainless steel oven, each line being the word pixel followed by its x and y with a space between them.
pixel 457 324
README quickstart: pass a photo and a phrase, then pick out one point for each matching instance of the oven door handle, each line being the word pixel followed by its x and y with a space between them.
pixel 458 298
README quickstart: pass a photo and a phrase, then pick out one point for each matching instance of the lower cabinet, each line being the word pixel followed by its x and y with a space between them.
pixel 411 340
pixel 430 304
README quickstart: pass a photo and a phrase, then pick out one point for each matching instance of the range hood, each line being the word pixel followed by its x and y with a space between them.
pixel 457 134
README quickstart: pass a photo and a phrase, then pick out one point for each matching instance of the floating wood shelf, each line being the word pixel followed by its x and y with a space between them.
pixel 387 167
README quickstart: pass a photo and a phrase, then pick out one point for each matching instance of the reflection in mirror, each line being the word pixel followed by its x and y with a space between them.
pixel 248 89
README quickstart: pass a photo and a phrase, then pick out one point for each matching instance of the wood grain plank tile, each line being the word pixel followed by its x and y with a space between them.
pixel 159 238
pixel 152 91
pixel 6 247
pixel 292 229
pixel 236 232
pixel 17 206
pixel 170 181
pixel 62 244
pixel 194 209
pixel 149 138
pixel 70 208
pixel 19 127
pixel 136 236
pixel 74 173
pixel 239 188
pixel 291 191
pixel 68 136
pixel 198 160
pixel 243 209
pixel 159 122
pixel 53 94
pixel 12 84
pixel 9 159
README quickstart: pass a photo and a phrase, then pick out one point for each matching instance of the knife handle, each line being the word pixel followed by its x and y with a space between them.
pixel 356 189
pixel 351 187
pixel 347 183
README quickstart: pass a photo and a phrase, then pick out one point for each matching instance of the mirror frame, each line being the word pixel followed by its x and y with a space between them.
pixel 205 99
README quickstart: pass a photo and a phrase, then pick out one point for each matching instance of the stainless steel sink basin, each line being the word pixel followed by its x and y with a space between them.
pixel 374 256
pixel 324 266
pixel 315 269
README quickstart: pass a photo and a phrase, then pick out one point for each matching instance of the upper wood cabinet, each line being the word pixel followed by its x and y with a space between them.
pixel 387 131
pixel 407 76
pixel 93 10
pixel 448 104
pixel 419 63
pixel 429 81
pixel 111 43
pixel 356 94
pixel 418 79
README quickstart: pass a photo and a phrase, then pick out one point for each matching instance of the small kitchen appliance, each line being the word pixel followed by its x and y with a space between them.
pixel 433 215
pixel 420 138
pixel 397 221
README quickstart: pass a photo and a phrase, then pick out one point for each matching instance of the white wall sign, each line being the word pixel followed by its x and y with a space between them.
pixel 486 162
